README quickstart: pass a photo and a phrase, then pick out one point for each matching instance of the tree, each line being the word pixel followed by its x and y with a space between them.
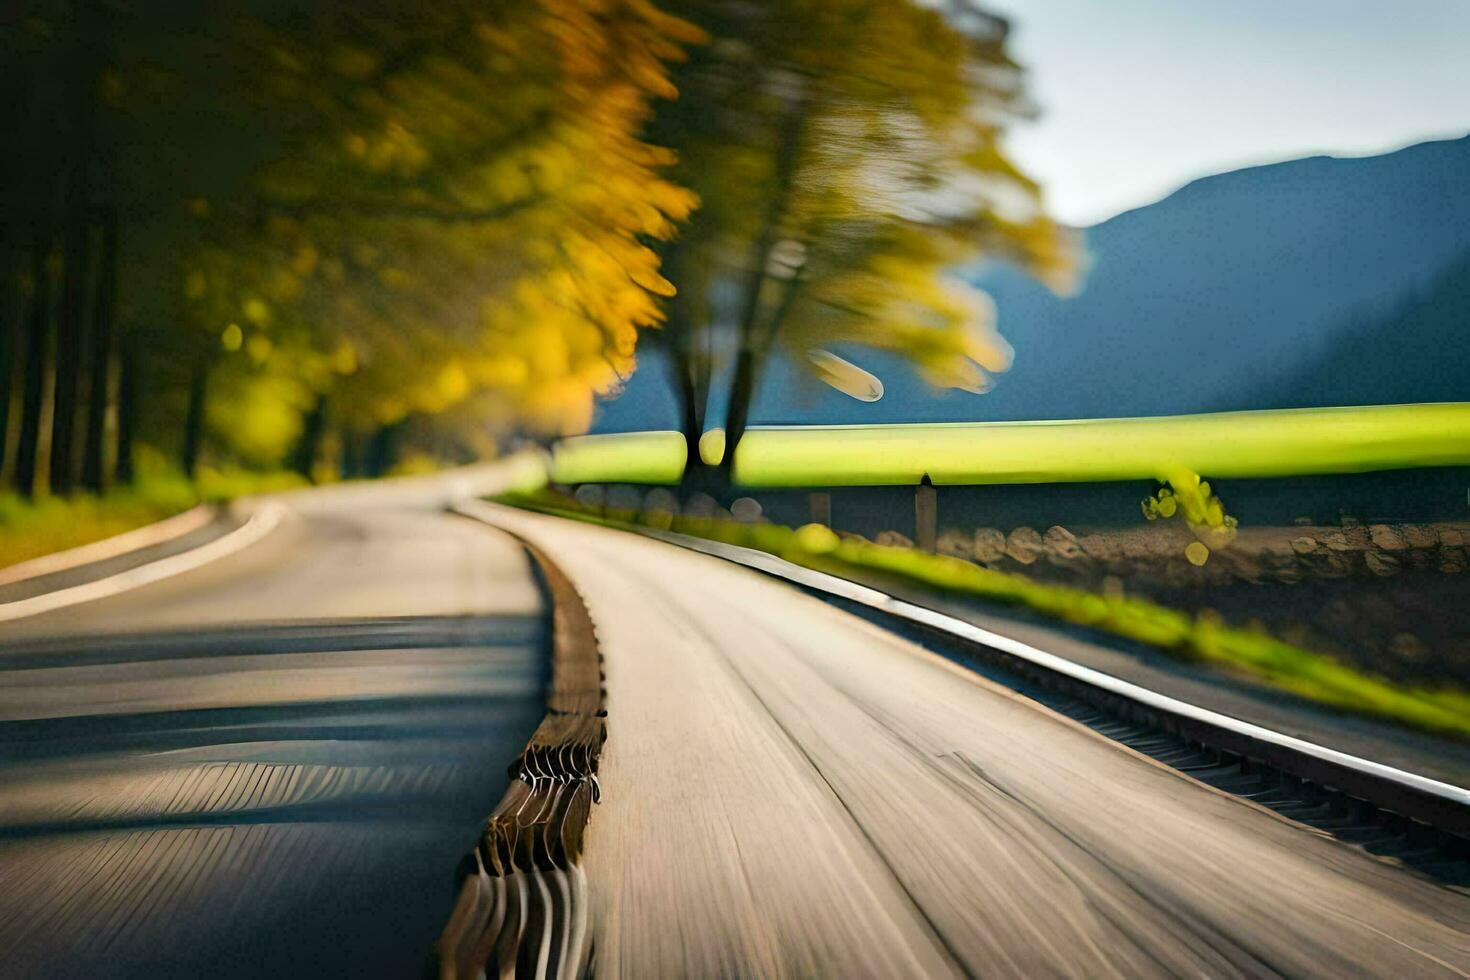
pixel 434 235
pixel 280 224
pixel 848 157
pixel 275 232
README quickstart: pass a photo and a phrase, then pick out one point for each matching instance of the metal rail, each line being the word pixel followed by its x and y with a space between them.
pixel 1412 819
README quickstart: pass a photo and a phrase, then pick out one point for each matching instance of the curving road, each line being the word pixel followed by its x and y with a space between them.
pixel 272 765
pixel 789 790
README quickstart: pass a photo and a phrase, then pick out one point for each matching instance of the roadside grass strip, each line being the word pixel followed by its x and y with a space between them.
pixel 632 457
pixel 33 529
pixel 261 522
pixel 29 531
pixel 1203 637
pixel 1224 445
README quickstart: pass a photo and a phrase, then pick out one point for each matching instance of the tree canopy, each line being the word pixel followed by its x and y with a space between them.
pixel 290 233
pixel 848 155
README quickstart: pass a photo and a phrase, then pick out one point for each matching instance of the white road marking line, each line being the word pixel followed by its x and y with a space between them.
pixel 872 598
pixel 119 544
pixel 261 523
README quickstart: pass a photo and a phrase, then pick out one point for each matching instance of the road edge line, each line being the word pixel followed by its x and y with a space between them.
pixel 940 622
pixel 147 536
pixel 260 523
pixel 1437 804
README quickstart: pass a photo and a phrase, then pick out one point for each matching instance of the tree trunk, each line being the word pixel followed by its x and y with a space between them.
pixel 308 447
pixel 351 466
pixel 686 393
pixel 382 450
pixel 748 364
pixel 69 330
pixel 194 416
pixel 767 340
pixel 12 312
pixel 94 450
pixel 742 391
pixel 76 248
pixel 685 309
pixel 742 388
pixel 27 456
pixel 689 421
pixel 127 406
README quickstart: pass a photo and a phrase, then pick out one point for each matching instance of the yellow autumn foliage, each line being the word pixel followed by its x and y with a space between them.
pixel 463 214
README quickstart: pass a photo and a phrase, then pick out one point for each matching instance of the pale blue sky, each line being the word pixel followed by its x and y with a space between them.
pixel 1141 96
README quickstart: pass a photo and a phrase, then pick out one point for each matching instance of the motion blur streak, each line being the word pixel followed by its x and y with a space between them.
pixel 271 764
pixel 801 792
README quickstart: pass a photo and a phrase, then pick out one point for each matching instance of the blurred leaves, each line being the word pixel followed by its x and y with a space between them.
pixel 348 220
pixel 436 229
pixel 848 155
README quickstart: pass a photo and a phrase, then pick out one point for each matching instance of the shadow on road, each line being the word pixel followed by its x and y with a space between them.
pixel 279 798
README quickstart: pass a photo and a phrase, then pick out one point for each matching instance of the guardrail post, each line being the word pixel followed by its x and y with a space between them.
pixel 821 508
pixel 926 516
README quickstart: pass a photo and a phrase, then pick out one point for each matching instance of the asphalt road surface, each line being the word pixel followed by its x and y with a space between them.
pixel 270 766
pixel 789 790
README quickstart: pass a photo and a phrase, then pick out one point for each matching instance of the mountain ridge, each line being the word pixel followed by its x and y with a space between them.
pixel 1219 296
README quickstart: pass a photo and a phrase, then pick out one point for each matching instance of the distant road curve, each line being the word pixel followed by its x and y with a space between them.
pixel 148 536
pixel 261 522
pixel 789 790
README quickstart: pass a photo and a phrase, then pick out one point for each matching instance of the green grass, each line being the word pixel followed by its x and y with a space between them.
pixel 1287 442
pixel 1203 637
pixel 30 529
pixel 632 457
